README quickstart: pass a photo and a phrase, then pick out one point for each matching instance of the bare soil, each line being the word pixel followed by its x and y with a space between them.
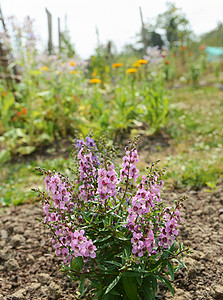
pixel 30 270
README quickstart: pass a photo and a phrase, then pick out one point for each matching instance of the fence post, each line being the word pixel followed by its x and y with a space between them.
pixel 50 42
pixel 143 32
pixel 59 35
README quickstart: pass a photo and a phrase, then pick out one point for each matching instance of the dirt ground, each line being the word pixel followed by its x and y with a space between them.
pixel 30 270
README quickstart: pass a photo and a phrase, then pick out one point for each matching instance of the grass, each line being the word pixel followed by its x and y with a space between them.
pixel 193 160
pixel 17 179
pixel 195 126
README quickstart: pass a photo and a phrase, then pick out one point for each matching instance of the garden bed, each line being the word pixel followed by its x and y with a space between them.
pixel 30 270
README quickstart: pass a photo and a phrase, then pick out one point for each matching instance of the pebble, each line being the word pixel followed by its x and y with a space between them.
pixel 28 233
pixel 218 292
pixel 42 260
pixel 55 291
pixel 2 244
pixel 18 229
pixel 30 259
pixel 19 294
pixel 34 286
pixel 4 234
pixel 17 240
pixel 209 210
pixel 11 265
pixel 220 260
pixel 44 278
pixel 4 254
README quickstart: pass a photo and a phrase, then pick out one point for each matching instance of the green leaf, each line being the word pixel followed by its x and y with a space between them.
pixel 26 149
pixel 154 282
pixel 113 284
pixel 139 280
pixel 130 287
pixel 167 283
pixel 5 156
pixel 171 270
pixel 113 263
pixel 147 289
pixel 82 285
pixel 97 296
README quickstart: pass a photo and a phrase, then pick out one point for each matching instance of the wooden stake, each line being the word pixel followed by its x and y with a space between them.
pixel 50 41
pixel 143 32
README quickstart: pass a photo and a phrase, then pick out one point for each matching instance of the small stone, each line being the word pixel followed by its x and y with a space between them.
pixel 220 260
pixel 42 243
pixel 55 291
pixel 11 265
pixel 17 240
pixel 34 286
pixel 42 260
pixel 2 244
pixel 30 259
pixel 221 218
pixel 216 225
pixel 198 212
pixel 218 292
pixel 44 291
pixel 194 267
pixel 209 210
pixel 4 254
pixel 4 234
pixel 18 229
pixel 28 233
pixel 187 243
pixel 44 278
pixel 19 294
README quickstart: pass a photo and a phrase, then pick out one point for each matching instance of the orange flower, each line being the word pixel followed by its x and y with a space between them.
pixel 183 48
pixel 142 61
pixel 19 113
pixel 131 70
pixel 136 64
pixel 202 47
pixel 4 93
pixel 117 65
pixel 166 62
pixel 72 63
pixel 189 53
pixel 24 110
pixel 95 80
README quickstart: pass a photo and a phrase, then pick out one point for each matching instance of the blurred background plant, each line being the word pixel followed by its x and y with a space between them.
pixel 132 91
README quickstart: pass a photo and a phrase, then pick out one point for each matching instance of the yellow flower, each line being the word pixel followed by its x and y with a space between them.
pixel 95 80
pixel 59 72
pixel 142 61
pixel 136 64
pixel 72 63
pixel 131 70
pixel 73 72
pixel 117 65
pixel 44 68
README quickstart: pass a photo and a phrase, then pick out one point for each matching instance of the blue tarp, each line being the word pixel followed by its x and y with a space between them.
pixel 214 53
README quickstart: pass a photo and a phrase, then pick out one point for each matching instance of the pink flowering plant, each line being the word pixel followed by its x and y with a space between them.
pixel 110 225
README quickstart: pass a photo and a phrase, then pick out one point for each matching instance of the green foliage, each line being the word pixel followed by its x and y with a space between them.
pixel 214 37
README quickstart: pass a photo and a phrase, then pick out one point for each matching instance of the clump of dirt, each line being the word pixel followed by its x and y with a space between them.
pixel 29 268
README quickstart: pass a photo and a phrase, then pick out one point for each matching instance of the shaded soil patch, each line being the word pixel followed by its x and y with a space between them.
pixel 30 270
